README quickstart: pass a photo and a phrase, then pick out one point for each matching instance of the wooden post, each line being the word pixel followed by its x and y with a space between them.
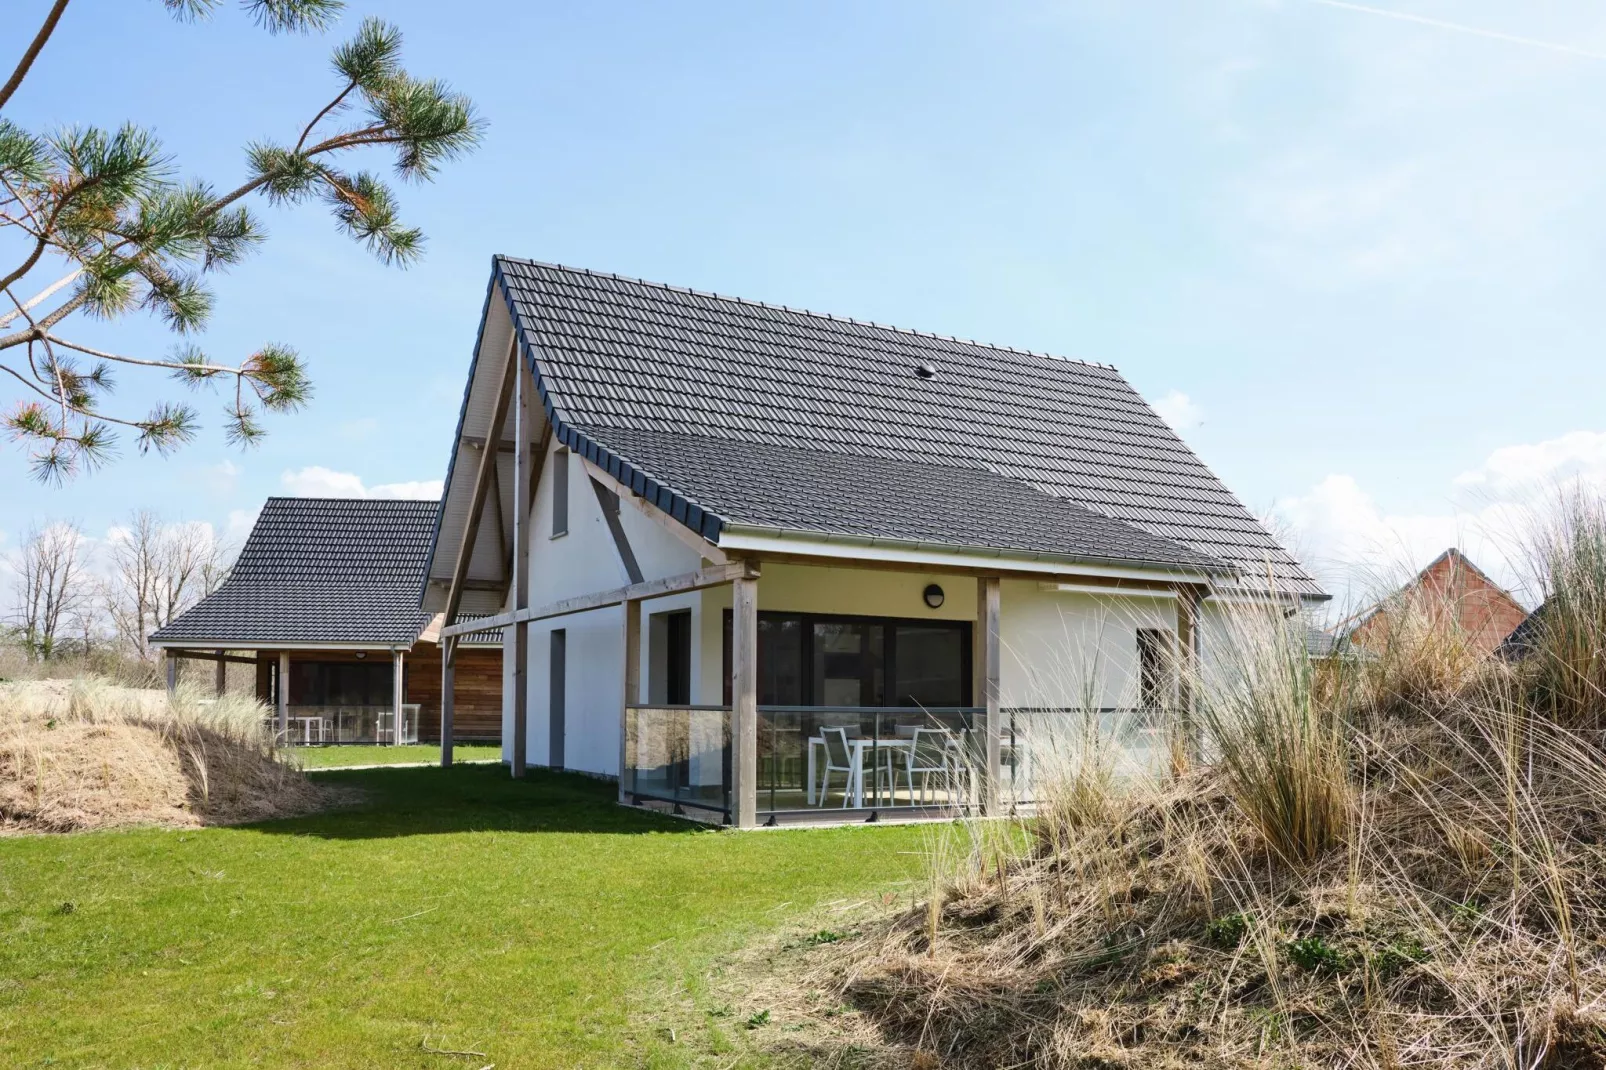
pixel 985 680
pixel 448 699
pixel 282 696
pixel 1189 598
pixel 632 688
pixel 398 694
pixel 222 675
pixel 523 472
pixel 744 703
pixel 172 673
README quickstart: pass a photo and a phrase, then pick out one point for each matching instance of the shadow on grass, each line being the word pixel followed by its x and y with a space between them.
pixel 427 801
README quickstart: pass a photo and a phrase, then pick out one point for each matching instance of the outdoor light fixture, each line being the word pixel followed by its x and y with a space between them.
pixel 933 596
pixel 362 654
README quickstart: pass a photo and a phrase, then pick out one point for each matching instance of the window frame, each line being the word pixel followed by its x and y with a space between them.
pixel 560 493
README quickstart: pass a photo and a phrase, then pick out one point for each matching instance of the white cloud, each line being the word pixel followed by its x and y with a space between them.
pixel 360 428
pixel 1577 455
pixel 1353 545
pixel 319 482
pixel 1180 411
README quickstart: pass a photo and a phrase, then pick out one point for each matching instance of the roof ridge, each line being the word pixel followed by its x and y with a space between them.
pixel 1044 354
pixel 365 501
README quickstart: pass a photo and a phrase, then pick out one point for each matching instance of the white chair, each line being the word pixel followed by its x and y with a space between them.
pixel 839 758
pixel 931 752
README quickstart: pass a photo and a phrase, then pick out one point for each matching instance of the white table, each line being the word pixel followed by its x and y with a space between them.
pixel 857 745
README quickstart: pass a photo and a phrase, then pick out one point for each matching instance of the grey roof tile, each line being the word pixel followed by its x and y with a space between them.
pixel 320 570
pixel 619 360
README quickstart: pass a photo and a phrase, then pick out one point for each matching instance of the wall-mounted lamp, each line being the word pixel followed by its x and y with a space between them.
pixel 933 596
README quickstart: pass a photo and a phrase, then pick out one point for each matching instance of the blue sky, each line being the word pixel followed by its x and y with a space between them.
pixel 1354 251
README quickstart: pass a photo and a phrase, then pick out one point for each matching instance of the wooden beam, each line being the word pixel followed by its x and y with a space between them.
pixel 985 680
pixel 744 703
pixel 685 535
pixel 608 502
pixel 281 697
pixel 523 408
pixel 1189 598
pixel 474 442
pixel 685 581
pixel 448 699
pixel 493 586
pixel 172 675
pixel 632 687
pixel 502 548
pixel 222 675
pixel 482 482
pixel 195 655
pixel 398 694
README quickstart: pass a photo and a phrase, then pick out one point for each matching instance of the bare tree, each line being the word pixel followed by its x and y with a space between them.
pixel 157 572
pixel 51 585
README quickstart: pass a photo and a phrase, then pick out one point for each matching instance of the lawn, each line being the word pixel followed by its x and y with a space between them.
pixel 534 921
pixel 326 757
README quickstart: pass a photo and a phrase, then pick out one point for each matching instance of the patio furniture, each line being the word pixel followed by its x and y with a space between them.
pixel 931 750
pixel 850 759
pixel 310 726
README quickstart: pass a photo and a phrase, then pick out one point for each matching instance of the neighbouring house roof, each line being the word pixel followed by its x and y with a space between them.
pixel 1457 592
pixel 732 414
pixel 319 570
pixel 1524 639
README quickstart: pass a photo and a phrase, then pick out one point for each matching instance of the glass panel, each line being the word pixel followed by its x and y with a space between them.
pixel 849 669
pixel 930 666
pixel 678 755
pixel 824 761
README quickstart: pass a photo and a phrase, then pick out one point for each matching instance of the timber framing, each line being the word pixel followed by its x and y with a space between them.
pixel 635 592
pixel 482 482
pixel 685 535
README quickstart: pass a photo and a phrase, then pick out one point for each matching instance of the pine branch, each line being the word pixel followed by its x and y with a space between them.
pixel 34 48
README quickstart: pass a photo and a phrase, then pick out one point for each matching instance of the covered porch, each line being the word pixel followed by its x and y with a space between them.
pixel 321 695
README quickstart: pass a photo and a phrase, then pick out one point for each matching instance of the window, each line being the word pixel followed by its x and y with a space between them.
pixel 341 683
pixel 560 493
pixel 677 658
pixel 557 696
pixel 1156 662
pixel 812 660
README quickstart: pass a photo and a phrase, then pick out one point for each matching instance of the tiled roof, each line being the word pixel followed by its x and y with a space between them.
pixel 873 497
pixel 654 381
pixel 320 570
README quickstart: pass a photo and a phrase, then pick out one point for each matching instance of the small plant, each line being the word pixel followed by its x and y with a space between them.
pixel 824 936
pixel 1316 955
pixel 1389 961
pixel 758 1019
pixel 1228 930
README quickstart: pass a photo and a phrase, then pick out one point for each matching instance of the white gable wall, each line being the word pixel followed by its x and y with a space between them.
pixel 582 562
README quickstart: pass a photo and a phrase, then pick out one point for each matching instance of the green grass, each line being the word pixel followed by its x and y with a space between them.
pixel 326 757
pixel 535 921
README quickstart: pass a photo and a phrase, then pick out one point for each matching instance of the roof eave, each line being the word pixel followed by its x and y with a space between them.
pixel 756 538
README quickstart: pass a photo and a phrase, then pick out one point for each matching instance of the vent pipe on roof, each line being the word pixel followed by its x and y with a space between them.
pixel 926 371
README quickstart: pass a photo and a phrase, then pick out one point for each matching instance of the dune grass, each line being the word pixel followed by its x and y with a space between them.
pixel 407 754
pixel 535 921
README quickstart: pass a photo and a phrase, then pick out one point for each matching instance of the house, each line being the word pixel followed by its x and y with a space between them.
pixel 756 561
pixel 323 602
pixel 1451 595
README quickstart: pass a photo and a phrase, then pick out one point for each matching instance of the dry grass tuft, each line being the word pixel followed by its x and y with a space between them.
pixel 85 754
